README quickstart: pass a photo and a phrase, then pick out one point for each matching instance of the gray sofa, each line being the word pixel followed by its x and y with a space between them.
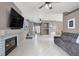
pixel 67 42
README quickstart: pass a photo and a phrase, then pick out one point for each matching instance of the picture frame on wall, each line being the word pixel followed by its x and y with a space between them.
pixel 71 23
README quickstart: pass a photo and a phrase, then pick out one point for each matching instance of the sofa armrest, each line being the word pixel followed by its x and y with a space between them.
pixel 58 41
pixel 73 48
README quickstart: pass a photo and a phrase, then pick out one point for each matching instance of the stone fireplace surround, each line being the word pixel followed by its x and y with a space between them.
pixel 2 43
pixel 6 34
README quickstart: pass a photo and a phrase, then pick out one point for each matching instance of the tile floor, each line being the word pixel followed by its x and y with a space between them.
pixel 42 46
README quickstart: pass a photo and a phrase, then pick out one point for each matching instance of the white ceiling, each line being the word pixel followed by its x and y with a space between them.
pixel 57 7
pixel 30 9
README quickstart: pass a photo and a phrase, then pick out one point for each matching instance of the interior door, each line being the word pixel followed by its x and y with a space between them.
pixel 44 29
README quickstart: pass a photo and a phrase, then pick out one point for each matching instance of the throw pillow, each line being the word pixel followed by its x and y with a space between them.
pixel 77 40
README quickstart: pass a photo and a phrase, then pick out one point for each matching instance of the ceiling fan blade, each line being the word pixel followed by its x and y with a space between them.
pixel 42 6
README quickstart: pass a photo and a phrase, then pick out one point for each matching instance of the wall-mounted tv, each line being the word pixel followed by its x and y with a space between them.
pixel 16 20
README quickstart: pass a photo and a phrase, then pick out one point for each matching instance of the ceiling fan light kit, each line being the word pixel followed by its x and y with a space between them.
pixel 48 5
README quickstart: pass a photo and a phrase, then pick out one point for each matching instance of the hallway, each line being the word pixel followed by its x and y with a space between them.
pixel 42 46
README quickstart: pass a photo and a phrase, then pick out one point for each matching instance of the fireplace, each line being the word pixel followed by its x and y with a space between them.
pixel 10 44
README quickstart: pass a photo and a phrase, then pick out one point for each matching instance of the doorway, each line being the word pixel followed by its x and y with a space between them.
pixel 44 29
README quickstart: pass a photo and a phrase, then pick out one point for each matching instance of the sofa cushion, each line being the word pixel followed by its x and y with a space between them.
pixel 69 37
pixel 70 34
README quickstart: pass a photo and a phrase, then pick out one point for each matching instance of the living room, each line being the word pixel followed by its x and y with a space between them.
pixel 39 28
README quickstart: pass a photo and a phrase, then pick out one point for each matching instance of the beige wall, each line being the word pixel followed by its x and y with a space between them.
pixel 69 16
pixel 4 19
pixel 55 26
pixel 5 8
pixel 59 28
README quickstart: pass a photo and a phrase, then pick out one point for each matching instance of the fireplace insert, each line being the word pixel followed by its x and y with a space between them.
pixel 10 44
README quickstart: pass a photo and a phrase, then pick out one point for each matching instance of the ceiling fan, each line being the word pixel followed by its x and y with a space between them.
pixel 47 4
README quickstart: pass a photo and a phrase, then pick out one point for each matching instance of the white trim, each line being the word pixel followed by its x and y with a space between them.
pixel 73 19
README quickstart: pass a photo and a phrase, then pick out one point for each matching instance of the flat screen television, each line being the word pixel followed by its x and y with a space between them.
pixel 16 20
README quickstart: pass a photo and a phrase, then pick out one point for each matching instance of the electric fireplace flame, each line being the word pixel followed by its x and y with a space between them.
pixel 10 44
